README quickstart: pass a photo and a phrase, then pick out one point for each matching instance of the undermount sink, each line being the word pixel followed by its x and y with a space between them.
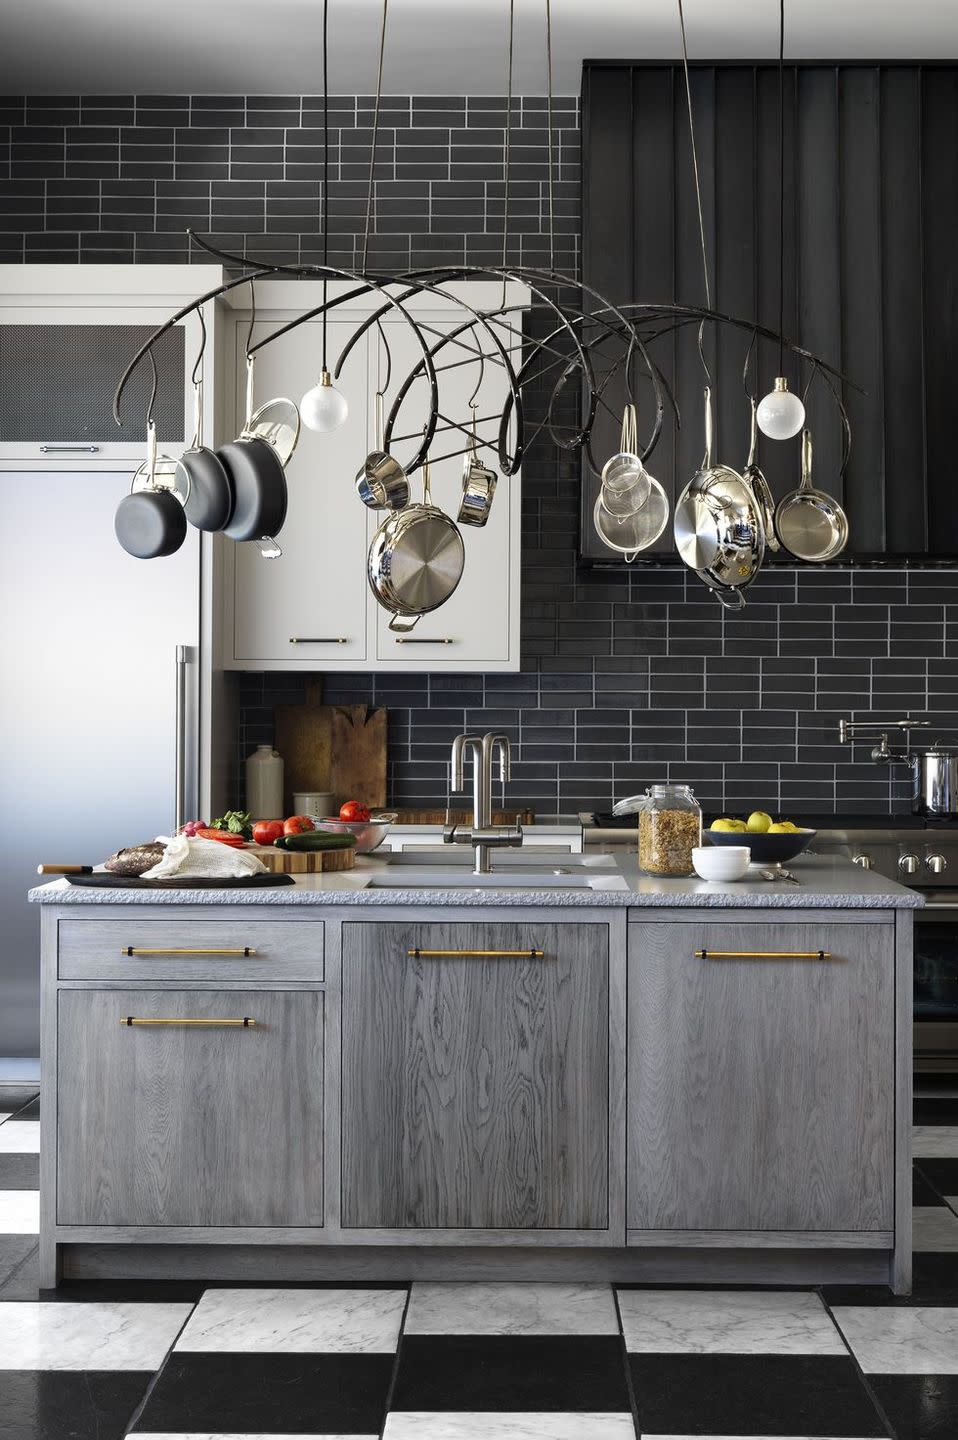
pixel 452 870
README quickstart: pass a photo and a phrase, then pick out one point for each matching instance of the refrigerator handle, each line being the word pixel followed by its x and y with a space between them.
pixel 183 770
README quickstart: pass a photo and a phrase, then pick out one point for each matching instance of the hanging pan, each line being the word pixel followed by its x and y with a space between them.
pixel 150 522
pixel 810 524
pixel 209 502
pixel 258 482
pixel 758 485
pixel 416 560
pixel 381 482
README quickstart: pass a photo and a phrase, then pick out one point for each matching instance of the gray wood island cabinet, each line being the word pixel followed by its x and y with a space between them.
pixel 331 1087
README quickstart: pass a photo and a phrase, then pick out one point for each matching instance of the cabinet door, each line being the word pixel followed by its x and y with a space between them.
pixel 308 608
pixel 190 1124
pixel 477 627
pixel 760 1090
pixel 476 1082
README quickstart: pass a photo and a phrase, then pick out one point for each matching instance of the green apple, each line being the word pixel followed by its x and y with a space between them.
pixel 758 822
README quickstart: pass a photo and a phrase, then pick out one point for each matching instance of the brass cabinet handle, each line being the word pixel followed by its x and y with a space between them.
pixel 318 640
pixel 245 1023
pixel 763 955
pixel 245 951
pixel 418 954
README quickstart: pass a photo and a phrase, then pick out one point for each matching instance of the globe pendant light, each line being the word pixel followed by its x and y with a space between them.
pixel 781 414
pixel 324 407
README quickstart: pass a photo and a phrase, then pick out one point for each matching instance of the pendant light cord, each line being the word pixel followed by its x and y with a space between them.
pixel 507 152
pixel 781 185
pixel 372 151
pixel 325 173
pixel 552 224
pixel 695 161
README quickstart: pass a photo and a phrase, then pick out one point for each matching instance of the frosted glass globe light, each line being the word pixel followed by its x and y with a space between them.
pixel 780 414
pixel 324 407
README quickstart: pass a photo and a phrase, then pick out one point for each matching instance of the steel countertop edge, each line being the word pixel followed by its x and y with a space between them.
pixel 825 883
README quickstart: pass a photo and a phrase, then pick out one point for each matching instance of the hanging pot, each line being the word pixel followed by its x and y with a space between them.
pixel 810 524
pixel 478 485
pixel 416 560
pixel 758 485
pixel 258 483
pixel 209 502
pixel 381 482
pixel 150 522
pixel 277 421
pixel 719 531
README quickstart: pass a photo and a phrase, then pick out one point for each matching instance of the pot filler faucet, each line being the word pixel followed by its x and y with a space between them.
pixel 482 834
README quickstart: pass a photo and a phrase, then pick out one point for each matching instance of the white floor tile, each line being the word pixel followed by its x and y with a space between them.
pixel 953 1202
pixel 344 1322
pixel 20 1137
pixel 19 1212
pixel 727 1322
pixel 5 1115
pixel 120 1336
pixel 935 1227
pixel 497 1425
pixel 511 1310
pixel 936 1142
pixel 912 1340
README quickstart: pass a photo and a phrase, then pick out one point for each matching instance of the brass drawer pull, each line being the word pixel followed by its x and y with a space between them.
pixel 763 955
pixel 418 954
pixel 245 951
pixel 243 1024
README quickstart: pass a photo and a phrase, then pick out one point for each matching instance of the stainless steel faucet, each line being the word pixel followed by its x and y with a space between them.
pixel 483 835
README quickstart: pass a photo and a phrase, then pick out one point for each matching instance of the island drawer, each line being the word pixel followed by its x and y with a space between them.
pixel 234 949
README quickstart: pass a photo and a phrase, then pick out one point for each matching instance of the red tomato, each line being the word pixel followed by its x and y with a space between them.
pixel 266 831
pixel 297 824
pixel 354 810
pixel 225 837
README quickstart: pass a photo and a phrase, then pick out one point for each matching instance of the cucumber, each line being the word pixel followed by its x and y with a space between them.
pixel 316 840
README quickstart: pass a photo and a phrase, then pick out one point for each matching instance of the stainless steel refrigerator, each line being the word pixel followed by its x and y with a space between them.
pixel 98 722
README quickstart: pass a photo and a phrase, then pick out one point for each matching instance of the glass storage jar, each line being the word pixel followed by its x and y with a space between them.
pixel 670 827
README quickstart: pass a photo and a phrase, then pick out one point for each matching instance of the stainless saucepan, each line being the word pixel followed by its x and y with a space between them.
pixel 416 560
pixel 810 524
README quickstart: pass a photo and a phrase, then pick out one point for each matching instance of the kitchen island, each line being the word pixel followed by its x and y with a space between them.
pixel 561 1070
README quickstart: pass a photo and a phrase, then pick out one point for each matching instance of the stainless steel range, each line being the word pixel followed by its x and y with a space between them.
pixel 917 851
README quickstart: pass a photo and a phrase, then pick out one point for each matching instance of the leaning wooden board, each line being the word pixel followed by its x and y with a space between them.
pixel 336 748
pixel 303 862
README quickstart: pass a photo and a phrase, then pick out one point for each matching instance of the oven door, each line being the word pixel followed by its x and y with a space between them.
pixel 936 984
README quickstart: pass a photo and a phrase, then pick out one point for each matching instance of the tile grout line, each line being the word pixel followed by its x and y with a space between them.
pixel 630 1387
pixel 394 1375
pixel 154 1379
pixel 879 1407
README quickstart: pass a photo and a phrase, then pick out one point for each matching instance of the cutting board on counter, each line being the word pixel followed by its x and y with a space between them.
pixel 303 862
pixel 338 748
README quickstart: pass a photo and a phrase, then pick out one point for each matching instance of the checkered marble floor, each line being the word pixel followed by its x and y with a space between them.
pixel 183 1361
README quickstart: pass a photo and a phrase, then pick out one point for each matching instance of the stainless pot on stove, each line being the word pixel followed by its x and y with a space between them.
pixel 934 770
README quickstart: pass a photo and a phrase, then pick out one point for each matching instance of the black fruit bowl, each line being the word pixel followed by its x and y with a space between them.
pixel 766 849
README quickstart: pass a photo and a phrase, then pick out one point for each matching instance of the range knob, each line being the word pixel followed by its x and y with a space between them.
pixel 908 864
pixel 935 863
pixel 865 861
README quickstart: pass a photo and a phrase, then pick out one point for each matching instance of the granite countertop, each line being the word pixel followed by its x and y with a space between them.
pixel 824 883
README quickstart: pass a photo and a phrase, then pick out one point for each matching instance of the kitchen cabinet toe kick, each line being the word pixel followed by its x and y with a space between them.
pixel 527 1093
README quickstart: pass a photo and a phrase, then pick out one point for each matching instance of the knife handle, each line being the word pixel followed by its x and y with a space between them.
pixel 64 869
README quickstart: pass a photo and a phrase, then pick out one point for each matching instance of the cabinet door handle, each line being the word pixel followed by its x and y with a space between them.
pixel 318 640
pixel 424 640
pixel 69 449
pixel 245 951
pixel 418 954
pixel 763 955
pixel 244 1023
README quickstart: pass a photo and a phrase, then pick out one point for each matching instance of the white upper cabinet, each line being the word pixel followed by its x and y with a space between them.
pixel 312 608
pixel 67 333
pixel 307 609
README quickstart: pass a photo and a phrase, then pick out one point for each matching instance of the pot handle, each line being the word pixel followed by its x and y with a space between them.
pixel 707 462
pixel 151 453
pixel 753 439
pixel 806 459
pixel 379 420
pixel 404 623
pixel 249 390
pixel 730 599
pixel 197 414
pixel 426 486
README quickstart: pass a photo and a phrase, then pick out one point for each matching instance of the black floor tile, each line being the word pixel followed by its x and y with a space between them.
pixel 69 1404
pixel 21 1283
pixel 269 1394
pixel 923 1191
pixel 806 1395
pixel 14 1097
pixel 19 1172
pixel 934 1282
pixel 478 1372
pixel 920 1407
pixel 936 1110
pixel 14 1249
pixel 942 1174
pixel 29 1110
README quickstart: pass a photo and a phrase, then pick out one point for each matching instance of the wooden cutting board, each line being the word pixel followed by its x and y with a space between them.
pixel 304 862
pixel 337 748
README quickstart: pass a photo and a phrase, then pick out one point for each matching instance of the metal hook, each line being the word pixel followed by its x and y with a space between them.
pixel 701 347
pixel 195 377
pixel 156 381
pixel 473 398
pixel 749 394
pixel 252 315
pixel 389 358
